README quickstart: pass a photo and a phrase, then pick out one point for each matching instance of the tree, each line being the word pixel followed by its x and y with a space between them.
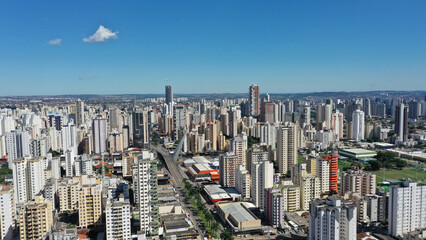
pixel 226 235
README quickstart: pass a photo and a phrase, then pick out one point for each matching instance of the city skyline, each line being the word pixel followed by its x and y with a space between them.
pixel 283 46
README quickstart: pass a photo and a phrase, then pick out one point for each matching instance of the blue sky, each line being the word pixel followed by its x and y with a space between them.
pixel 212 46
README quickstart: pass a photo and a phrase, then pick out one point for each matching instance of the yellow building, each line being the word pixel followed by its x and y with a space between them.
pixel 90 205
pixel 35 219
pixel 238 216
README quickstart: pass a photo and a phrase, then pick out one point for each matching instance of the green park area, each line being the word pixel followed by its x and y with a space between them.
pixel 399 174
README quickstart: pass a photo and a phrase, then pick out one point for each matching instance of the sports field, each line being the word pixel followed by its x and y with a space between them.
pixel 398 174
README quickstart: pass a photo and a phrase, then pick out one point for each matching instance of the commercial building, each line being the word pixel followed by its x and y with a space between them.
pixel 357 153
pixel 216 193
pixel 358 125
pixel 238 217
pixel 401 122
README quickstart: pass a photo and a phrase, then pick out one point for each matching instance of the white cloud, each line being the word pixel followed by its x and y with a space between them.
pixel 101 35
pixel 56 41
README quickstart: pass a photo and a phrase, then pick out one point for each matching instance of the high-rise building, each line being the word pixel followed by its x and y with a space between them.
pixel 179 120
pixel 18 145
pixel 146 192
pixel 140 128
pixel 100 136
pixel 233 123
pixel 337 124
pixel 323 172
pixel 358 125
pixel 332 218
pixel 242 182
pixel 256 154
pixel 169 94
pixel 407 208
pixel 254 99
pixel 118 215
pixel 79 112
pixel 333 161
pixel 401 122
pixel 262 177
pixel 239 147
pixel 35 219
pixel 357 181
pixel 28 178
pixel 310 185
pixel 227 165
pixel 281 199
pixel 287 148
pixel 7 212
pixel 90 205
pixel 68 193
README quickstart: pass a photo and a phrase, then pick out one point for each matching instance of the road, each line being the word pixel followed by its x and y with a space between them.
pixel 177 176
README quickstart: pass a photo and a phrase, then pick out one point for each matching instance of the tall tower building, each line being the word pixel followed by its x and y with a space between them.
pixel 146 192
pixel 407 208
pixel 100 136
pixel 287 148
pixel 333 171
pixel 323 172
pixel 79 112
pixel 35 219
pixel 337 124
pixel 358 125
pixel 140 128
pixel 7 212
pixel 262 176
pixel 332 218
pixel 242 182
pixel 239 147
pixel 28 179
pixel 227 165
pixel 18 145
pixel 254 92
pixel 401 122
pixel 169 94
pixel 179 120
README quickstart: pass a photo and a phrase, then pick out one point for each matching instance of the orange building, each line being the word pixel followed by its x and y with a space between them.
pixel 334 172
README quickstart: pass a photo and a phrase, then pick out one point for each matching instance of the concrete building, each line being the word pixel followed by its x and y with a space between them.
pixel 79 112
pixel 7 212
pixel 100 135
pixel 145 184
pixel 287 148
pixel 28 178
pixel 17 145
pixel 68 193
pixel 35 219
pixel 358 125
pixel 332 218
pixel 117 218
pixel 323 172
pixel 256 154
pixel 262 176
pixel 357 181
pixel 242 182
pixel 401 122
pixel 90 205
pixel 254 100
pixel 407 208
pixel 140 128
pixel 239 147
pixel 238 217
pixel 227 165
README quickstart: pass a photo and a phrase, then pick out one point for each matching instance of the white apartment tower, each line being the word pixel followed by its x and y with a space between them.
pixel 7 212
pixel 146 190
pixel 407 208
pixel 262 178
pixel 358 125
pixel 118 217
pixel 99 128
pixel 242 182
pixel 332 218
